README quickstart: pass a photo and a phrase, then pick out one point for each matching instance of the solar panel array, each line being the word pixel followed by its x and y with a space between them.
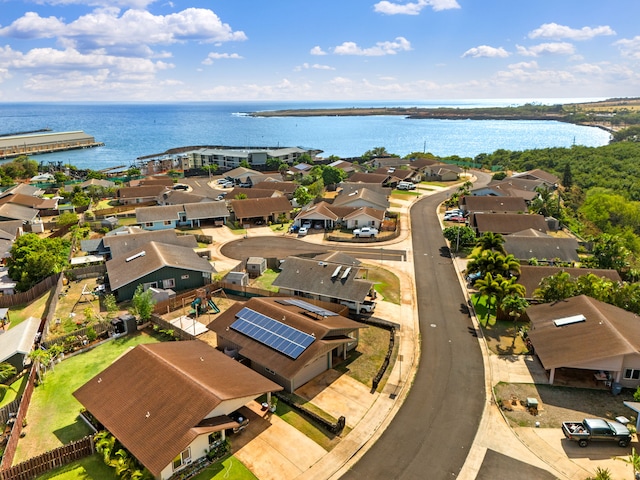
pixel 310 307
pixel 272 333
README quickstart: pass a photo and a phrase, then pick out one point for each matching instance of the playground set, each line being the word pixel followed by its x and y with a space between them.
pixel 203 303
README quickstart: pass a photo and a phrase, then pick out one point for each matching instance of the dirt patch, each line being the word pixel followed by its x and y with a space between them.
pixel 560 404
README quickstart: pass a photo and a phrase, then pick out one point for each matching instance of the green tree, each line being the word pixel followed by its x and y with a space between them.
pixel 567 176
pixel 459 236
pixel 142 303
pixel 244 164
pixel 634 458
pixel 273 164
pixel 67 218
pixel 110 304
pixel 490 288
pixel 491 241
pixel 302 196
pixel 133 172
pixel 601 474
pixel 556 287
pixel 514 306
pixel 33 259
pixel 332 175
pixel 60 177
pixel 609 252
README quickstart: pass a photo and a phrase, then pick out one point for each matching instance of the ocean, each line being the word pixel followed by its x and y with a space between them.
pixel 132 130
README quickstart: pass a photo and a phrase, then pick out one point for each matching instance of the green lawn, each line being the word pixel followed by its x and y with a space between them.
pixel 387 284
pixel 265 280
pixel 10 394
pixel 276 227
pixel 364 364
pixel 53 413
pixel 93 468
pixel 20 313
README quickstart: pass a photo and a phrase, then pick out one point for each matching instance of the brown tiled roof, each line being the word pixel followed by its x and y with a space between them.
pixel 531 276
pixel 493 204
pixel 328 331
pixel 537 174
pixel 158 180
pixel 260 207
pixel 178 197
pixel 506 223
pixel 345 188
pixel 285 187
pixel 420 163
pixel 369 178
pixel 368 211
pixel 142 191
pixel 254 192
pixel 155 398
pixel 607 332
pixel 364 194
pixel 156 256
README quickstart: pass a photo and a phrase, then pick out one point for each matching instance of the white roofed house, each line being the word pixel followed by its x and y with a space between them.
pixel 364 216
pixel 189 214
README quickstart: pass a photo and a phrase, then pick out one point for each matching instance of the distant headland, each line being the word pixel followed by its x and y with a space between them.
pixel 612 114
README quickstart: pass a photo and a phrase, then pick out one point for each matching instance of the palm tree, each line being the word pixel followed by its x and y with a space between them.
pixel 7 371
pixel 41 359
pixel 507 265
pixel 633 460
pixel 489 261
pixel 491 288
pixel 491 241
pixel 514 306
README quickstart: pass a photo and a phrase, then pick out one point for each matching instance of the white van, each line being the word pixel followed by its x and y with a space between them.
pixel 406 186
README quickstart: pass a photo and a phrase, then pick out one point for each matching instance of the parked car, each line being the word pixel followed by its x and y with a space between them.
pixel 368 306
pixel 455 211
pixel 303 231
pixel 406 186
pixel 180 186
pixel 596 429
pixel 454 218
pixel 365 232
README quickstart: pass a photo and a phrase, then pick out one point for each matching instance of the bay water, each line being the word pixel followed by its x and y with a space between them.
pixel 132 130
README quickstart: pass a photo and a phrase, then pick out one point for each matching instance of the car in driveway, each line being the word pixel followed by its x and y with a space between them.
pixel 454 218
pixel 303 231
pixel 365 232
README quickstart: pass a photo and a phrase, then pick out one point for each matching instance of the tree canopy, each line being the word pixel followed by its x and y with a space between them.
pixel 33 259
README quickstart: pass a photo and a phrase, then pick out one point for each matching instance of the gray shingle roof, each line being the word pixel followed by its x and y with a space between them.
pixel 315 277
pixel 542 247
pixel 156 256
pixel 260 207
pixel 122 244
pixel 506 223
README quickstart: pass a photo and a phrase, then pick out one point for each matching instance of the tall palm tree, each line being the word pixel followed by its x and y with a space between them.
pixel 507 265
pixel 489 287
pixel 491 241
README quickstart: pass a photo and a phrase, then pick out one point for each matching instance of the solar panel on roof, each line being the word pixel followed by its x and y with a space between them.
pixel 309 307
pixel 272 333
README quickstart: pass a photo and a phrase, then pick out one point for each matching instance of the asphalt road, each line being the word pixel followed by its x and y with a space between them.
pixel 432 433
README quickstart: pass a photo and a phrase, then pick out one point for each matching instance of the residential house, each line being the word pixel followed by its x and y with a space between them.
pixel 9 231
pixel 90 183
pixel 260 209
pixel 532 243
pixel 531 276
pixel 322 280
pixel 362 198
pixel 346 188
pixel 386 162
pixel 403 174
pixel 286 188
pixel 441 172
pixel 491 204
pixel 253 192
pixel 547 179
pixel 381 179
pixel 163 180
pixel 329 216
pixel 29 201
pixel 180 197
pixel 169 403
pixel 157 265
pixel 581 333
pixel 11 211
pixel 345 166
pixel 17 343
pixel 364 217
pixel 191 215
pixel 140 194
pixel 510 187
pixel 24 189
pixel 120 244
pixel 321 336
pixel 7 285
pixel 506 223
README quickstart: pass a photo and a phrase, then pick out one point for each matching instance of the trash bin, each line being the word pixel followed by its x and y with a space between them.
pixel 616 388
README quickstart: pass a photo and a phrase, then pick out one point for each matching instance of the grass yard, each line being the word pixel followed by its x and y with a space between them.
pixel 387 283
pixel 53 413
pixel 364 364
pixel 301 423
pixel 89 468
pixel 276 227
pixel 405 193
pixel 93 468
pixel 265 280
pixel 20 313
pixel 16 388
pixel 501 335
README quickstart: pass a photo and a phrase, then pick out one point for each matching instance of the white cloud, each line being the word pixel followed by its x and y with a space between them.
pixel 486 51
pixel 138 4
pixel 400 44
pixel 312 66
pixel 317 51
pixel 391 8
pixel 134 30
pixel 523 65
pixel 588 69
pixel 553 30
pixel 629 47
pixel 559 48
pixel 220 56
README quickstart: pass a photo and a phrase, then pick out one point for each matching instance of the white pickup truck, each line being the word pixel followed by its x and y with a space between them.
pixel 365 232
pixel 368 306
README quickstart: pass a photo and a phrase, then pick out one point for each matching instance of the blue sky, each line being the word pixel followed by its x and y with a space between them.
pixel 226 50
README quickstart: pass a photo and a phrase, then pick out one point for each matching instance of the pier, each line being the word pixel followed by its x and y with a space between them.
pixel 12 146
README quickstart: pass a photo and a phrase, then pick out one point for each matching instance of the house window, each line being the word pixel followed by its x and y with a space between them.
pixel 169 283
pixel 631 374
pixel 147 286
pixel 355 223
pixel 184 277
pixel 167 222
pixel 269 371
pixel 148 224
pixel 182 459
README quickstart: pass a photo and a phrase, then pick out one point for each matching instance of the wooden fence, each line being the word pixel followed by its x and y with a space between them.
pixel 99 328
pixel 105 212
pixel 30 295
pixel 9 410
pixel 16 430
pixel 178 333
pixel 48 461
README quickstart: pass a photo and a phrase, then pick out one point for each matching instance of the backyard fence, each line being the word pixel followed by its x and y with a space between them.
pixel 177 333
pixel 9 410
pixel 75 337
pixel 105 212
pixel 48 461
pixel 16 429
pixel 30 295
